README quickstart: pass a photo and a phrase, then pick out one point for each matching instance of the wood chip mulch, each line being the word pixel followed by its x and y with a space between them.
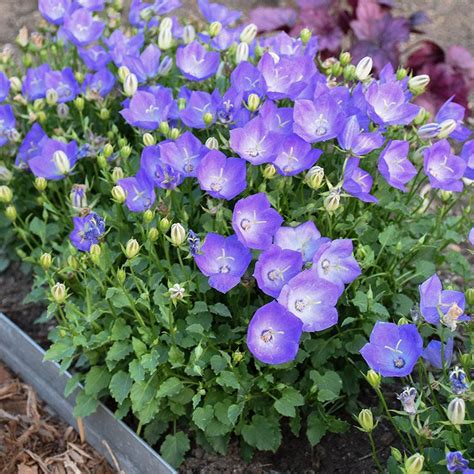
pixel 34 441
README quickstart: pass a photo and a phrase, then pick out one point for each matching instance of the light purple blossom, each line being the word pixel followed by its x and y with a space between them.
pixel 139 191
pixel 120 45
pixel 146 65
pixel 395 166
pixel 435 356
pixel 31 144
pixel 277 119
pixel 81 27
pixel 273 334
pixel 100 83
pixel 393 350
pixel 4 86
pixel 94 57
pixel 54 10
pixel 246 78
pixel 224 260
pixel 457 463
pixel 195 62
pixel 467 154
pixel 199 104
pixel 87 230
pixel 34 84
pixel 255 221
pixel 295 155
pixel 357 182
pixel 452 110
pixel 335 262
pixel 275 267
pixel 64 83
pixel 93 5
pixel 184 154
pixel 218 12
pixel 357 142
pixel 7 123
pixel 222 177
pixel 443 168
pixel 162 175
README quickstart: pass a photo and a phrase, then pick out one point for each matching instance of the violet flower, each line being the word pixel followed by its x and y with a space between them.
pixel 4 86
pixel 55 160
pixel 195 62
pixel 295 155
pixel 64 83
pixel 81 27
pixel 255 221
pixel 87 231
pixel 274 334
pixel 275 267
pixel 437 357
pixel 139 191
pixel 224 260
pixel 456 462
pixel 438 305
pixel 246 78
pixel 277 119
pixel 7 123
pixel 31 145
pixel 222 177
pixel 218 12
pixel 467 154
pixel 317 121
pixel 443 169
pixel 34 83
pixel 93 5
pixel 197 106
pixel 94 57
pixel 100 84
pixel 121 45
pixel 184 154
pixel 335 262
pixel 393 350
pixel 146 65
pixel 394 165
pixel 146 110
pixel 357 142
pixel 312 300
pixel 458 381
pixel 408 400
pixel 358 182
pixel 162 175
pixel 452 111
pixel 54 11
pixel 387 104
pixel 304 238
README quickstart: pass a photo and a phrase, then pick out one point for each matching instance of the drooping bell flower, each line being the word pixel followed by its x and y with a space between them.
pixel 56 159
pixel 458 381
pixel 87 230
pixel 195 62
pixel 312 300
pixel 438 354
pixel 273 334
pixel 456 462
pixel 438 305
pixel 255 221
pixel 295 155
pixel 139 191
pixel 222 177
pixel 7 123
pixel 356 141
pixel 304 238
pixel 162 175
pixel 199 107
pixel 94 57
pixel 63 83
pixel 467 154
pixel 184 154
pixel 335 262
pixel 34 86
pixel 254 142
pixel 408 400
pixel 357 182
pixel 146 65
pixel 147 110
pixel 224 260
pixel 218 12
pixel 452 111
pixel 54 11
pixel 393 350
pixel 99 84
pixel 395 166
pixel 275 267
pixel 31 145
pixel 443 168
pixel 81 28
pixel 387 104
pixel 318 120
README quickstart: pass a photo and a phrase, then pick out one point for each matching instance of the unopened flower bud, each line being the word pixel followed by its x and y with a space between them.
pixel 178 234
pixel 130 85
pixel 208 118
pixel 414 464
pixel 95 252
pixel 418 84
pixel 336 69
pixel 51 97
pixel 345 58
pixel 166 24
pixel 153 234
pixel 40 184
pixel 79 103
pixel 396 454
pixel 446 128
pixel 132 248
pixel 121 276
pixel 177 292
pixel 189 34
pixel 46 261
pixel 104 113
pixel 305 35
pixel 5 173
pixel 165 39
pixel 253 102
pixel 148 216
pixel 373 378
pixel 164 225
pixel 269 171
pixel 470 296
pixel 401 73
pixel 314 177
pixel 445 195
pixel 72 262
pixel 242 53
pixel 123 72
pixel 165 66
pixel 61 161
pixel 6 194
pixel 174 133
pixel 215 28
pixel 364 68
pixel 212 143
pixel 101 161
pixel 79 76
pixel 78 196
pixel 237 357
pixel 149 139
pixel 125 151
pixel 366 420
pixel 249 33
pixel 457 411
pixel 15 84
pixel 429 130
pixel 164 128
pixel 59 293
pixel 332 200
pixel 118 194
pixel 181 103
pixel 108 150
pixel 349 72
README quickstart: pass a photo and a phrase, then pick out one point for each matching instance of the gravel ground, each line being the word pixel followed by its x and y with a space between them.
pixel 452 21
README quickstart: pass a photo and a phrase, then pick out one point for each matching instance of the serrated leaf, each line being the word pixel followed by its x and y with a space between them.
pixel 228 379
pixel 169 387
pixel 220 309
pixel 97 379
pixel 234 412
pixel 263 433
pixel 174 448
pixel 290 398
pixel 120 386
pixel 71 384
pixel 120 330
pixel 202 416
pixel 316 429
pixel 85 405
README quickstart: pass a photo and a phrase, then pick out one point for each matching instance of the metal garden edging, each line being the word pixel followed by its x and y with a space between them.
pixel 25 357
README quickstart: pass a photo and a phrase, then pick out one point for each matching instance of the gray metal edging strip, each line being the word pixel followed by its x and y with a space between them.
pixel 25 357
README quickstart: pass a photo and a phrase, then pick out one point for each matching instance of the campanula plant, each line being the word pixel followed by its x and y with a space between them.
pixel 227 232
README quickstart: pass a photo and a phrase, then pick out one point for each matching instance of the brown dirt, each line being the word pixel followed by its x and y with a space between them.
pixel 33 441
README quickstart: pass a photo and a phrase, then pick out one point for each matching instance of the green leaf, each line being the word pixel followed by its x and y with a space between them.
pixel 85 405
pixel 263 433
pixel 120 330
pixel 228 379
pixel 117 298
pixel 118 351
pixel 96 380
pixel 143 393
pixel 329 385
pixel 136 370
pixel 316 429
pixel 199 307
pixel 174 448
pixel 60 350
pixel 71 384
pixel 218 363
pixel 234 412
pixel 202 416
pixel 388 235
pixel 38 227
pixel 290 398
pixel 220 309
pixel 120 386
pixel 169 387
